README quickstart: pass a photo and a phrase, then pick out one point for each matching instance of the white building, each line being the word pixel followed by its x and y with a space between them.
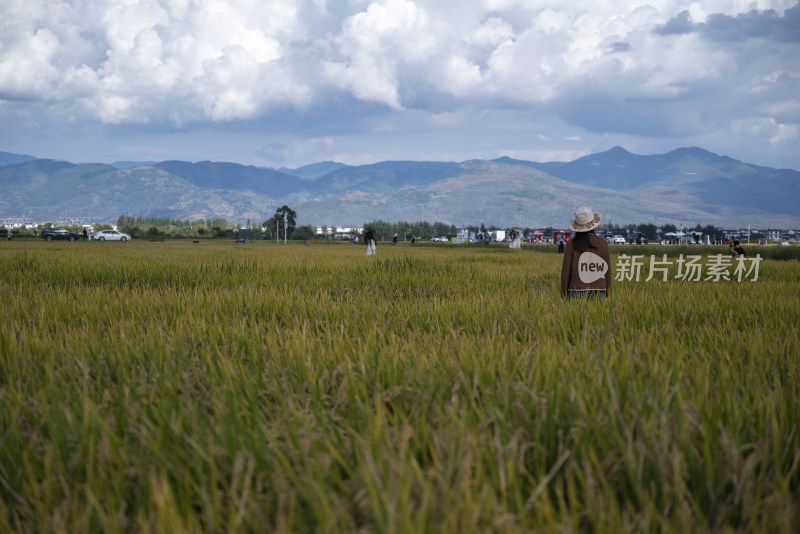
pixel 773 235
pixel 331 230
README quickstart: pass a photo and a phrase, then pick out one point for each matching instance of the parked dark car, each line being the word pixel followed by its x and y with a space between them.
pixel 59 233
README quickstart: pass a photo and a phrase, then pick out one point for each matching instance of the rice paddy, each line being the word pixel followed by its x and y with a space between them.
pixel 162 387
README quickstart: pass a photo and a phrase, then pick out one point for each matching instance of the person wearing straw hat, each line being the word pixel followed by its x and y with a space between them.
pixel 586 269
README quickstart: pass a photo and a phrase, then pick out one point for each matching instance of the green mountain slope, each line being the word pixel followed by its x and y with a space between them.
pixel 46 190
pixel 7 158
pixel 314 171
pixel 687 185
pixel 232 176
pixel 384 177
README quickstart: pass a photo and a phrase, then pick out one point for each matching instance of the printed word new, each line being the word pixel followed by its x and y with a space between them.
pixel 591 267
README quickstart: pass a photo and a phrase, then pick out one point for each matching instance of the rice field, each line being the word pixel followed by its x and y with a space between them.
pixel 213 387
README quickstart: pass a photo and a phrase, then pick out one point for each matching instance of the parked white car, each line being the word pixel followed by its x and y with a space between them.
pixel 111 235
pixel 616 240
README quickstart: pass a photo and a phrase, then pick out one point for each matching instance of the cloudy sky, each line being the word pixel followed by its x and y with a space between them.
pixel 291 82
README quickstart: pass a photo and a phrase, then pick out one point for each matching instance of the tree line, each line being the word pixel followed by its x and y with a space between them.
pixel 384 230
pixel 164 226
pixel 283 223
pixel 140 226
pixel 653 232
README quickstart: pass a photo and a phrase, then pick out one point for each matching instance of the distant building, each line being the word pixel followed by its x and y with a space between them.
pixel 498 235
pixel 338 232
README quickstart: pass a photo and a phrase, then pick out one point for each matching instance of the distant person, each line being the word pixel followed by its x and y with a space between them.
pixel 394 238
pixel 10 233
pixel 413 239
pixel 736 249
pixel 560 244
pixel 586 268
pixel 369 239
pixel 85 234
pixel 90 233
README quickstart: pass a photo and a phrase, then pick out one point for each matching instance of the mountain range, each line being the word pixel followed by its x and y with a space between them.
pixel 687 185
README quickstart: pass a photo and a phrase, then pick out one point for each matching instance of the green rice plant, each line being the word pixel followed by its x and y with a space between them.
pixel 208 387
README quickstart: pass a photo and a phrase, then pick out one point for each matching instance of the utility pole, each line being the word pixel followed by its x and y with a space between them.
pixel 285 226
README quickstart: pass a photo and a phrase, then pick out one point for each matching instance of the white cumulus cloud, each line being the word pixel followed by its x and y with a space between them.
pixel 664 69
pixel 145 60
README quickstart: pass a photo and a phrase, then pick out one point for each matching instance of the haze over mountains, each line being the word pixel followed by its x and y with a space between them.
pixel 688 185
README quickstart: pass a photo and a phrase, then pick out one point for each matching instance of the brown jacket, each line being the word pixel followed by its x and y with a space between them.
pixel 590 270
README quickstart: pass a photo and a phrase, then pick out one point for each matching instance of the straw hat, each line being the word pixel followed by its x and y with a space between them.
pixel 585 220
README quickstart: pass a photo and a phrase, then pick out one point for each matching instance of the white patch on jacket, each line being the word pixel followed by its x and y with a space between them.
pixel 591 267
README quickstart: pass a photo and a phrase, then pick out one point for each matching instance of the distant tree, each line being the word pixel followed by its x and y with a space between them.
pixel 648 231
pixel 423 229
pixel 125 221
pixel 712 231
pixel 444 229
pixel 304 233
pixel 270 224
pixel 258 233
pixel 218 225
pixel 382 229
